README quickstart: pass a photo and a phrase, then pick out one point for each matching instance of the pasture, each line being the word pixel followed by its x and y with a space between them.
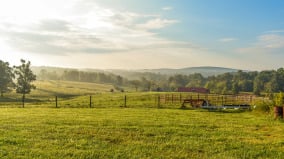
pixel 84 95
pixel 137 133
pixel 140 130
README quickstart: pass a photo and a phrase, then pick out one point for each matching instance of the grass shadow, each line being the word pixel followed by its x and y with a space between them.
pixel 216 110
pixel 228 110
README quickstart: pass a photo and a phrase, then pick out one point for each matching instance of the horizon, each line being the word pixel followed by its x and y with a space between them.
pixel 142 69
pixel 131 35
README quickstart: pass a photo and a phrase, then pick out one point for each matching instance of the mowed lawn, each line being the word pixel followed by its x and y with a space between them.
pixel 137 133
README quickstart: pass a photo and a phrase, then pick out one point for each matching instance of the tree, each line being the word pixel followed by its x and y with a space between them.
pixel 235 88
pixel 146 84
pixel 119 80
pixel 195 80
pixel 272 85
pixel 257 86
pixel 280 76
pixel 136 84
pixel 25 77
pixel 6 77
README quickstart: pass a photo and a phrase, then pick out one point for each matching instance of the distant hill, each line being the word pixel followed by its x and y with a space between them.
pixel 60 70
pixel 205 71
pixel 137 74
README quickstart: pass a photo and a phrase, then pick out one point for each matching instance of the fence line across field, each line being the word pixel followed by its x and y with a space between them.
pixel 150 100
pixel 166 100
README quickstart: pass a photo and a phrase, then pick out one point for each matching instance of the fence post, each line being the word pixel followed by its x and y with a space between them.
pixel 159 101
pixel 125 101
pixel 172 98
pixel 90 101
pixel 180 98
pixel 56 102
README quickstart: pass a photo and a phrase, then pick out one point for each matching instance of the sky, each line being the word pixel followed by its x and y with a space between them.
pixel 148 34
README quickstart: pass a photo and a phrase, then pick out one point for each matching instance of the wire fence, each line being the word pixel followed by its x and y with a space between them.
pixel 137 100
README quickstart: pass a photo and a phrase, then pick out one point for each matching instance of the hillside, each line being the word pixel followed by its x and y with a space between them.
pixel 205 71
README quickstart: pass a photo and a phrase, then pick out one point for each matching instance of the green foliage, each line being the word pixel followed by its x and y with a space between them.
pixel 278 99
pixel 6 77
pixel 236 88
pixel 227 83
pixel 263 106
pixel 25 77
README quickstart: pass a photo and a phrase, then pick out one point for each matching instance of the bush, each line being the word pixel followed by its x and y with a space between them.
pixel 278 99
pixel 264 107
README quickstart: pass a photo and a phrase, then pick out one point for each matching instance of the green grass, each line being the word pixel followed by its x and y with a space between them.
pixel 77 95
pixel 137 133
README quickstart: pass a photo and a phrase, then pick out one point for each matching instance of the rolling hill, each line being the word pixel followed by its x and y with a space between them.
pixel 205 71
pixel 138 73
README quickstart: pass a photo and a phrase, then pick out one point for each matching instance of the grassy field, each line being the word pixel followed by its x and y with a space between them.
pixel 77 95
pixel 108 130
pixel 137 133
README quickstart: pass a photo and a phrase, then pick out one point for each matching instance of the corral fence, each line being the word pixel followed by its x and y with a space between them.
pixel 135 100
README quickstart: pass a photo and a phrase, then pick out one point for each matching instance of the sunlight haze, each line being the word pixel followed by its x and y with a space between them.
pixel 132 34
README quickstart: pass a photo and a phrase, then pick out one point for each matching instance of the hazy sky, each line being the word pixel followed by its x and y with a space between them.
pixel 131 34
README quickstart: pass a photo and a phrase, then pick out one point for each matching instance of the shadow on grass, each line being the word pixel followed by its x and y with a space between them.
pixel 60 95
pixel 11 100
pixel 217 110
pixel 229 110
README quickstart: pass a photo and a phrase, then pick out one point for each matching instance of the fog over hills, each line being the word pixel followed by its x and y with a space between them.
pixel 205 71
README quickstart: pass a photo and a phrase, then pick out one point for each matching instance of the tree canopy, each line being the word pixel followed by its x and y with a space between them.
pixel 25 77
pixel 6 77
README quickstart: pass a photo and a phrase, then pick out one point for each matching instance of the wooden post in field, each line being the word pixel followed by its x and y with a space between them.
pixel 222 100
pixel 180 98
pixel 172 98
pixel 125 101
pixel 90 101
pixel 158 102
pixel 56 102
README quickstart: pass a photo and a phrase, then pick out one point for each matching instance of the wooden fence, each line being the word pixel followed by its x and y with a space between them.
pixel 143 100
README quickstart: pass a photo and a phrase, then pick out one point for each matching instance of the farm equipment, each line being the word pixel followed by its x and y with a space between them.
pixel 195 103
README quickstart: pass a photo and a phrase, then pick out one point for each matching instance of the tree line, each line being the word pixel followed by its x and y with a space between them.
pixel 269 81
pixel 24 78
pixel 228 83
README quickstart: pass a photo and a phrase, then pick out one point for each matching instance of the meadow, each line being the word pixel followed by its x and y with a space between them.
pixel 84 95
pixel 137 133
pixel 140 130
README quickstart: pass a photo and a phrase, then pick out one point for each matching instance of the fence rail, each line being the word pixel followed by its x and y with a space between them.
pixel 143 100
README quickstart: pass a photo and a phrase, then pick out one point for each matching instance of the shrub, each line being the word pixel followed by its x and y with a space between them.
pixel 264 107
